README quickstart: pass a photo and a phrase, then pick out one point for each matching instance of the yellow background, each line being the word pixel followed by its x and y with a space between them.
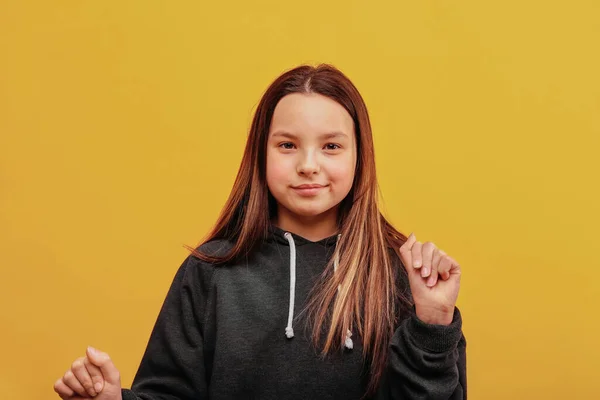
pixel 122 124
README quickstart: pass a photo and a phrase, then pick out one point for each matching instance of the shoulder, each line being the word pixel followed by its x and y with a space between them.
pixel 196 271
pixel 216 247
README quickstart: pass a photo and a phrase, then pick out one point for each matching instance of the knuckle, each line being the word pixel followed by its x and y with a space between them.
pixel 77 364
pixel 89 366
pixel 85 380
pixel 68 375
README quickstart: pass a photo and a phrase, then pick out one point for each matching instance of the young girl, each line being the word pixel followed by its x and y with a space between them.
pixel 303 290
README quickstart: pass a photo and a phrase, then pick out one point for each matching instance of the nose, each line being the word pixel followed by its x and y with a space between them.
pixel 308 164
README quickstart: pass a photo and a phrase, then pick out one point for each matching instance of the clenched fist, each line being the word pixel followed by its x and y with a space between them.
pixel 434 279
pixel 93 376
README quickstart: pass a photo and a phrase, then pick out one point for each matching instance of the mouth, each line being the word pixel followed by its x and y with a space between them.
pixel 309 190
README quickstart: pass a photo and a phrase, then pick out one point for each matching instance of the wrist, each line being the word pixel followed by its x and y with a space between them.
pixel 435 316
pixel 435 337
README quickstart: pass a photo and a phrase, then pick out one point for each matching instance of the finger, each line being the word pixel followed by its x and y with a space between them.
pixel 437 256
pixel 442 271
pixel 427 257
pixel 83 376
pixel 405 251
pixel 433 277
pixel 417 259
pixel 445 265
pixel 71 381
pixel 444 268
pixel 102 360
pixel 455 267
pixel 62 389
pixel 410 240
pixel 95 374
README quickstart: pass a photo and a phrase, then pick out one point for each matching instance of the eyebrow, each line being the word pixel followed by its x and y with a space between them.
pixel 329 135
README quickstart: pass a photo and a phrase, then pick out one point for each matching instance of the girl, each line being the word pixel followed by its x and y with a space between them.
pixel 303 290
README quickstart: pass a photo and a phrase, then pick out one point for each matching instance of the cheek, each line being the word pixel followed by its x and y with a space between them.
pixel 277 171
pixel 342 175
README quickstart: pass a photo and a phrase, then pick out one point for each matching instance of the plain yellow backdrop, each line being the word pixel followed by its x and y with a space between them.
pixel 122 125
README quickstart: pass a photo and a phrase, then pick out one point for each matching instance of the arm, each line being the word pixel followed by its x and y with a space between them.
pixel 173 365
pixel 428 361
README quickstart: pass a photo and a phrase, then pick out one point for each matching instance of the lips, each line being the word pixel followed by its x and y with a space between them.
pixel 309 186
pixel 308 190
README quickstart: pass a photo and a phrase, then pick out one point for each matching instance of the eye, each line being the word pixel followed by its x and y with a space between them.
pixel 332 146
pixel 286 145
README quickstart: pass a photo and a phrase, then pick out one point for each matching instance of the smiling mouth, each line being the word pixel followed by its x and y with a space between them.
pixel 309 186
pixel 308 190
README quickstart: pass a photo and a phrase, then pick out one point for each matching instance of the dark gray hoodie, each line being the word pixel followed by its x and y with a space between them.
pixel 233 332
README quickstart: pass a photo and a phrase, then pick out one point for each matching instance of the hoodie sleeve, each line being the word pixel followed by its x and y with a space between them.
pixel 428 361
pixel 174 365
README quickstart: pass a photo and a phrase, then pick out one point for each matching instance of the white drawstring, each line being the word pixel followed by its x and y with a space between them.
pixel 289 331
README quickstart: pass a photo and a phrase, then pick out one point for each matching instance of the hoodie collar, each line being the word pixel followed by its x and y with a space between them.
pixel 277 234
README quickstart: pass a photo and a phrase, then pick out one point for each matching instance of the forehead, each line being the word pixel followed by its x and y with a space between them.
pixel 306 113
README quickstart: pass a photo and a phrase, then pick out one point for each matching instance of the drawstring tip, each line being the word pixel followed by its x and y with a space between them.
pixel 348 342
pixel 289 332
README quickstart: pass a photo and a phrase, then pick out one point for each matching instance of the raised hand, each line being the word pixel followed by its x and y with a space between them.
pixel 93 376
pixel 434 279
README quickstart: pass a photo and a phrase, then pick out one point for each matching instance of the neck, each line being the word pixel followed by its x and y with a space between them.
pixel 313 228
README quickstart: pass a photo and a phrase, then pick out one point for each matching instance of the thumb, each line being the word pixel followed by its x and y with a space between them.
pixel 102 360
pixel 406 251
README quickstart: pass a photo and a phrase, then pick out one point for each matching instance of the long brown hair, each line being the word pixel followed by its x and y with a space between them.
pixel 368 298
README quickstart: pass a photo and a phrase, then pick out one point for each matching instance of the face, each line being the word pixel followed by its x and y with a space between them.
pixel 311 154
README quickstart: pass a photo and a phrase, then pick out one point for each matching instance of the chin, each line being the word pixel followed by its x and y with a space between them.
pixel 307 213
pixel 310 211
